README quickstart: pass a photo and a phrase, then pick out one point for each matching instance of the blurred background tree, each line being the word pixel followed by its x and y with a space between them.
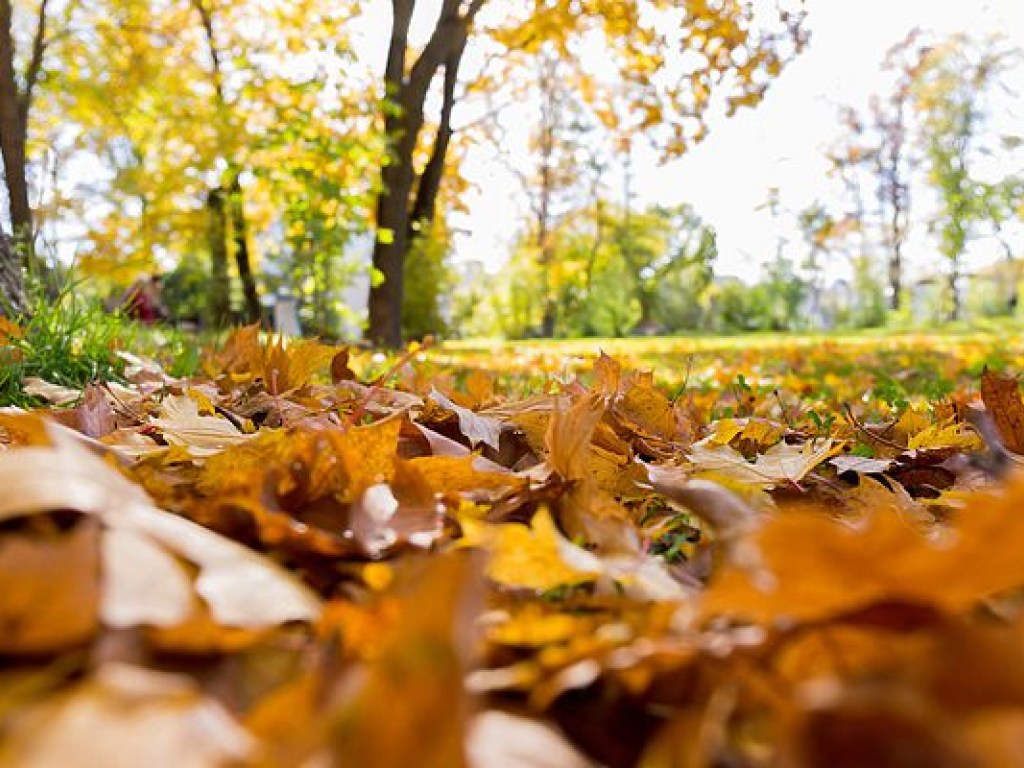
pixel 256 152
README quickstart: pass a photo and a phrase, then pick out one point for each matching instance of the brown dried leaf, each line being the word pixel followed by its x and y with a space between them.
pixel 477 429
pixel 1002 398
pixel 95 416
pixel 447 475
pixel 52 393
pixel 51 594
pixel 780 464
pixel 818 567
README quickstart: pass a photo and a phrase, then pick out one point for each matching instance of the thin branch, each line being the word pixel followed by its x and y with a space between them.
pixel 211 43
pixel 35 64
pixel 874 436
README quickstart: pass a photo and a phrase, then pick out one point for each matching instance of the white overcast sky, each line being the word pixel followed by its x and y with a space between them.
pixel 781 143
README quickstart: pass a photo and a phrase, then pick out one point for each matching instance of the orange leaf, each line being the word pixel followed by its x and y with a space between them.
pixel 1001 395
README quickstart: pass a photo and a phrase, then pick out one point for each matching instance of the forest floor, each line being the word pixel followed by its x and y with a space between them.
pixel 801 550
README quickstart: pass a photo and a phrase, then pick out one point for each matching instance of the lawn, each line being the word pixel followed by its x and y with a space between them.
pixel 826 369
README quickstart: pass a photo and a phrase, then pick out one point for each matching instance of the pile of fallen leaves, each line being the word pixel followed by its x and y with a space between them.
pixel 282 563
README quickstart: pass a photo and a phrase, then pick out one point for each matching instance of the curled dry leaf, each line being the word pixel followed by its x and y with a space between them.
pixel 538 557
pixel 585 510
pixel 477 429
pixel 51 393
pixel 726 512
pixel 497 739
pixel 51 592
pixel 780 464
pixel 241 587
pixel 861 465
pixel 541 559
pixel 1002 398
pixel 420 663
pixel 181 424
pixel 95 417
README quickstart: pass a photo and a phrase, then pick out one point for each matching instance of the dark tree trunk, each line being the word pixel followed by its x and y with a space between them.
pixel 14 110
pixel 233 213
pixel 396 211
pixel 389 251
pixel 385 302
pixel 240 235
pixel 12 286
pixel 220 282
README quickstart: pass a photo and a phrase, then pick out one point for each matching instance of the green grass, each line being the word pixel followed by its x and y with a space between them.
pixel 70 340
pixel 179 352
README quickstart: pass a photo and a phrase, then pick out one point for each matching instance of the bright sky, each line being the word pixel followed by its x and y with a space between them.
pixel 780 144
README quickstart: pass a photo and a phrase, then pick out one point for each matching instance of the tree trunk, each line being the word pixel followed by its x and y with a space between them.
pixel 13 134
pixel 12 286
pixel 408 91
pixel 895 277
pixel 1012 276
pixel 220 282
pixel 389 251
pixel 954 291
pixel 239 233
pixel 646 299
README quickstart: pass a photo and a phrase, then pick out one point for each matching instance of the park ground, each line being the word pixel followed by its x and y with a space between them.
pixel 761 550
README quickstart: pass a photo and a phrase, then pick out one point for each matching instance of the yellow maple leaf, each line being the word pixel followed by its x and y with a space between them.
pixel 953 435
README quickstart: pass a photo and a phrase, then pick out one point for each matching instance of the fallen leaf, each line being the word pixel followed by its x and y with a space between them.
pixel 420 663
pixel 52 393
pixel 780 464
pixel 240 587
pixel 181 424
pixel 125 716
pixel 94 415
pixel 1002 398
pixel 51 595
pixel 539 557
pixel 884 557
pixel 861 465
pixel 498 739
pixel 957 436
pixel 477 429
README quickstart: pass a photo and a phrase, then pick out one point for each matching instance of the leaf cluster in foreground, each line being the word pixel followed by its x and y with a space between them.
pixel 281 562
